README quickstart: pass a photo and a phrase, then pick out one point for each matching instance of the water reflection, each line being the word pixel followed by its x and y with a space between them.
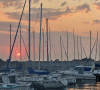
pixel 83 85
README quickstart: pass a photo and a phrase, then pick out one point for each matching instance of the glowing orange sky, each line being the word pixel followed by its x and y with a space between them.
pixel 63 15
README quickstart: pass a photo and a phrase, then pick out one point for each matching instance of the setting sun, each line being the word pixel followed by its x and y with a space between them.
pixel 18 54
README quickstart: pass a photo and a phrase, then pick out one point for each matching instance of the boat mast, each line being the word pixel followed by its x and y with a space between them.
pixel 47 42
pixel 77 50
pixel 50 47
pixel 40 36
pixel 43 48
pixel 81 47
pixel 61 51
pixel 90 44
pixel 10 42
pixel 10 39
pixel 99 49
pixel 67 46
pixel 29 30
pixel 34 47
pixel 74 43
pixel 20 43
pixel 96 46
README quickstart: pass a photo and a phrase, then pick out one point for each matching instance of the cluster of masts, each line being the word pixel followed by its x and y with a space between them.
pixel 59 79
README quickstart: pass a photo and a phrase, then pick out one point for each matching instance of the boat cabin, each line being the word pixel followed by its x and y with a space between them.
pixel 8 78
pixel 85 68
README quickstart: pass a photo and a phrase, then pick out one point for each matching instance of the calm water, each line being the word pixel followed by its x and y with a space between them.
pixel 83 85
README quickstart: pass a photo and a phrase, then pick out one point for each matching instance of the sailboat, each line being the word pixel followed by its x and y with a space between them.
pixel 43 77
pixel 71 79
pixel 81 71
pixel 9 80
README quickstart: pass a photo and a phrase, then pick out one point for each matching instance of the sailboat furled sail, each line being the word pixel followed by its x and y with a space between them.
pixel 31 71
pixel 97 65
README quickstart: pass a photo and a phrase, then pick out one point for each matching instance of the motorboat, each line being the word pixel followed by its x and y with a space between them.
pixel 81 72
pixel 11 82
pixel 69 79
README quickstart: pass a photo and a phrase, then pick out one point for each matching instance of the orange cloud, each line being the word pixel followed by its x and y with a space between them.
pixel 83 7
pixel 97 5
pixel 3 18
pixel 66 15
pixel 6 32
pixel 85 22
pixel 1 5
pixel 16 4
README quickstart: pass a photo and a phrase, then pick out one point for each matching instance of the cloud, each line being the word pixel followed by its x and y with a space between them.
pixel 5 27
pixel 68 10
pixel 55 13
pixel 86 22
pixel 64 3
pixel 77 0
pixel 50 13
pixel 50 0
pixel 14 3
pixel 83 7
pixel 14 15
pixel 96 21
pixel 97 5
pixel 35 1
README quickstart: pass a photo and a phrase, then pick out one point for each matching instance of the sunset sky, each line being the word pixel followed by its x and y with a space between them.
pixel 63 15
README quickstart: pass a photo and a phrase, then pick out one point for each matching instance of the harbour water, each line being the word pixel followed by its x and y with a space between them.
pixel 83 85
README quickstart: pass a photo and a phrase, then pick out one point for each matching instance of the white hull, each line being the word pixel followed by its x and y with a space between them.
pixel 84 76
pixel 49 83
pixel 71 80
pixel 52 84
pixel 16 88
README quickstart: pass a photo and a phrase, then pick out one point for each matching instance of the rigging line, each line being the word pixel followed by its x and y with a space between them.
pixel 35 21
pixel 70 45
pixel 36 50
pixel 25 46
pixel 83 50
pixel 93 47
pixel 37 17
pixel 86 41
pixel 36 54
pixel 96 50
pixel 96 46
pixel 53 48
pixel 54 41
pixel 15 37
pixel 66 53
pixel 65 50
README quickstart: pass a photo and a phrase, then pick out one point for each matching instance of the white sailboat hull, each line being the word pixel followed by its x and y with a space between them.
pixel 48 83
pixel 71 80
pixel 52 84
